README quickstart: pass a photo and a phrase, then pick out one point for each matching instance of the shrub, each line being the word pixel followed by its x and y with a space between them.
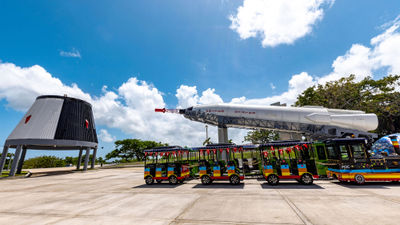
pixel 44 162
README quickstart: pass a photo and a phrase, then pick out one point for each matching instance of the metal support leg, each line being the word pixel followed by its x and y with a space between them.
pixel 21 160
pixel 15 161
pixel 93 158
pixel 223 139
pixel 223 135
pixel 3 158
pixel 78 164
pixel 85 165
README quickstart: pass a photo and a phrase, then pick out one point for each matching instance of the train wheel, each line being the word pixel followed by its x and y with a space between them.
pixel 158 181
pixel 359 179
pixel 273 179
pixel 206 180
pixel 149 180
pixel 306 179
pixel 173 180
pixel 234 179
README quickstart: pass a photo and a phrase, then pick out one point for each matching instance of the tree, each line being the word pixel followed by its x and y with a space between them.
pixel 372 96
pixel 207 141
pixel 101 161
pixel 43 162
pixel 261 136
pixel 130 149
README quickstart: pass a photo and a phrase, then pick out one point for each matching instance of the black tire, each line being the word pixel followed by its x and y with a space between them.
pixel 273 179
pixel 359 179
pixel 158 181
pixel 149 180
pixel 306 179
pixel 173 180
pixel 206 180
pixel 234 179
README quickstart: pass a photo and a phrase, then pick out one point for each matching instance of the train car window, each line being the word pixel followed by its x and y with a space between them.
pixel 343 152
pixel 305 155
pixel 358 151
pixel 321 152
pixel 332 154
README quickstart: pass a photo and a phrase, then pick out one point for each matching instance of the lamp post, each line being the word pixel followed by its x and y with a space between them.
pixel 206 131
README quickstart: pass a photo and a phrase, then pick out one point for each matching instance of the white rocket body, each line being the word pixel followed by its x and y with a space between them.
pixel 350 119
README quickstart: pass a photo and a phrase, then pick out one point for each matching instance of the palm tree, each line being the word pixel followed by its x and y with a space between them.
pixel 207 141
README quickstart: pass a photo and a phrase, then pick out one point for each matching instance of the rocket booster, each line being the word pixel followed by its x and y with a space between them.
pixel 314 115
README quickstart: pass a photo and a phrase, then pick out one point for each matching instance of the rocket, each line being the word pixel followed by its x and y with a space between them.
pixel 278 117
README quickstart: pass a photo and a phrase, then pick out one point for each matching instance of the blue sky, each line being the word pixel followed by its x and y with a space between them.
pixel 144 51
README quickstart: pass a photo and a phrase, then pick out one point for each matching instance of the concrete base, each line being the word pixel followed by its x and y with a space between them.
pixel 223 139
pixel 223 135
pixel 110 196
pixel 289 136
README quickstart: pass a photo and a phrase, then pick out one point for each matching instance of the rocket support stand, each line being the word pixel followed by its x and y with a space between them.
pixel 223 139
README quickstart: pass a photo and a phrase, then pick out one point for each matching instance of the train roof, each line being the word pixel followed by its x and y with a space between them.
pixel 285 143
pixel 223 146
pixel 345 140
pixel 167 149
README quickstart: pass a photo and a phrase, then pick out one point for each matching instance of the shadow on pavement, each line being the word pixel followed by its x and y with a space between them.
pixel 51 173
pixel 290 186
pixel 367 185
pixel 155 185
pixel 215 185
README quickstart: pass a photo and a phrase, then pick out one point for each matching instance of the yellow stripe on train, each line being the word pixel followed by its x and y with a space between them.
pixel 369 175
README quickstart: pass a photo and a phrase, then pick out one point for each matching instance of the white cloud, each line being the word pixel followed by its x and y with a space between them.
pixel 357 61
pixel 277 22
pixel 209 97
pixel 20 86
pixel 363 61
pixel 131 107
pixel 272 86
pixel 387 48
pixel 74 53
pixel 105 136
pixel 187 96
pixel 297 84
pixel 360 60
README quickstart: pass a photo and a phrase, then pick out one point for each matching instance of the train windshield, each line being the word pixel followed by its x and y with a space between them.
pixel 358 151
pixel 332 154
pixel 321 152
pixel 343 152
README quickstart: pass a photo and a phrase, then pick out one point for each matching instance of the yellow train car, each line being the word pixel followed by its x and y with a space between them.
pixel 349 161
pixel 166 164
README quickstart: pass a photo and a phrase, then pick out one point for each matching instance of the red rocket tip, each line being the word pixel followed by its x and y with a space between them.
pixel 160 110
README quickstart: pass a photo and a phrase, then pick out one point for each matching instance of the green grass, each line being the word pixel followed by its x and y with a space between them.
pixel 5 173
pixel 137 163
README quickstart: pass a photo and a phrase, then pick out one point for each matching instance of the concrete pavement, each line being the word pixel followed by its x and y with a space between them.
pixel 119 196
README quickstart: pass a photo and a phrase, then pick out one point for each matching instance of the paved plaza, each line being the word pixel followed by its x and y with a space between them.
pixel 119 196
